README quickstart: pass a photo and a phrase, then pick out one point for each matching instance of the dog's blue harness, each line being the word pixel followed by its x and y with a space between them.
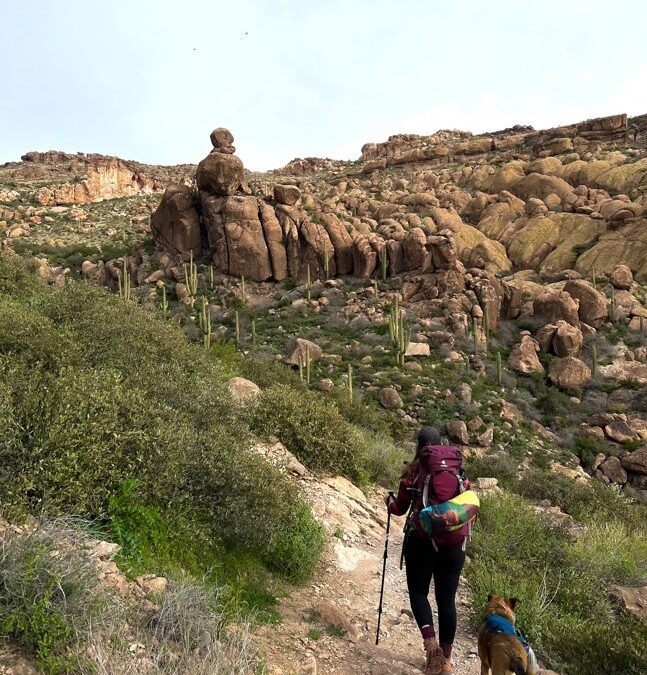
pixel 499 624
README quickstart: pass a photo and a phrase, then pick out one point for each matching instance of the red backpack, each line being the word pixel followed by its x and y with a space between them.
pixel 436 461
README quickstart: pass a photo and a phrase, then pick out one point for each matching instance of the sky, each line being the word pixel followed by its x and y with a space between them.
pixel 148 80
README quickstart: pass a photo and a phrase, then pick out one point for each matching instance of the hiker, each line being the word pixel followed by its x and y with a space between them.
pixel 440 556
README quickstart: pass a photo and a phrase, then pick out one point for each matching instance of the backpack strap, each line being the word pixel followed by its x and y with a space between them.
pixel 425 491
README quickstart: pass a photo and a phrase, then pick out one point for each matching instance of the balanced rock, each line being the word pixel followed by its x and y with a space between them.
pixel 569 373
pixel 223 141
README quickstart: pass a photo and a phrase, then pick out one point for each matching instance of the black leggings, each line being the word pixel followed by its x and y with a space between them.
pixel 444 565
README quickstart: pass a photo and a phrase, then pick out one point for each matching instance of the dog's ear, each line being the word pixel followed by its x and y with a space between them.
pixel 490 596
pixel 512 603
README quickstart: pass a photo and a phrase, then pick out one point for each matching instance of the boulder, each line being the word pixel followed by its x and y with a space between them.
pixel 636 461
pixel 175 223
pixel 569 373
pixel 567 340
pixel 222 139
pixel 613 470
pixel 220 174
pixel 592 303
pixel 418 349
pixel 301 348
pixel 243 391
pixel 287 194
pixel 619 431
pixel 414 249
pixel 523 358
pixel 622 278
pixel 457 431
pixel 552 306
pixel 631 600
pixel 390 398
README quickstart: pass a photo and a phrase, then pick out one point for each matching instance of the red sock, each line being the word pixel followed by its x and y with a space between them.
pixel 447 650
pixel 427 632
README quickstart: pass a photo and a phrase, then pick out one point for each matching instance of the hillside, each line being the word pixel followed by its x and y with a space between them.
pixel 181 344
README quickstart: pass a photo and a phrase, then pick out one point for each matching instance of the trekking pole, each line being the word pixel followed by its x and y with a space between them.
pixel 386 552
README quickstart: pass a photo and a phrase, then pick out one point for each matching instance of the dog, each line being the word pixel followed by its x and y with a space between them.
pixel 499 649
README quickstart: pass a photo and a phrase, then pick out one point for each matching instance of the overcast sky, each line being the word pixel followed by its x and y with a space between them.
pixel 149 79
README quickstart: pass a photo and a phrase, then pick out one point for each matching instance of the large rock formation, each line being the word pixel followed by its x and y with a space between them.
pixel 273 237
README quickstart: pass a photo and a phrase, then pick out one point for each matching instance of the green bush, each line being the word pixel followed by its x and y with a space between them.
pixel 49 593
pixel 95 392
pixel 587 502
pixel 562 586
pixel 313 429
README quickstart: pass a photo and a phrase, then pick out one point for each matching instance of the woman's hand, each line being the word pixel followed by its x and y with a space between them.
pixel 389 498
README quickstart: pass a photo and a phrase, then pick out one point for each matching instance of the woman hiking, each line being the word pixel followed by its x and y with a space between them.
pixel 440 557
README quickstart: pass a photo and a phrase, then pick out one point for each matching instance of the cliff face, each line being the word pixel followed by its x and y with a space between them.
pixel 60 178
pixel 407 148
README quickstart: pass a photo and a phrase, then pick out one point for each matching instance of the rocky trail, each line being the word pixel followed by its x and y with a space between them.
pixel 329 625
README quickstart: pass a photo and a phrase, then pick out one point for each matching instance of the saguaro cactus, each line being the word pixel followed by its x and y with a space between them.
pixel 204 321
pixel 164 302
pixel 499 369
pixel 349 382
pixel 308 284
pixel 594 360
pixel 326 262
pixel 384 262
pixel 237 319
pixel 191 279
pixel 399 331
pixel 123 282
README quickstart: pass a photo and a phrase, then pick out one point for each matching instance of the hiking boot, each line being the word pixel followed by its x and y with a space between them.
pixel 435 658
pixel 448 667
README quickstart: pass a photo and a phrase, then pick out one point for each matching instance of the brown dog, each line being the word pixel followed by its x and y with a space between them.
pixel 500 652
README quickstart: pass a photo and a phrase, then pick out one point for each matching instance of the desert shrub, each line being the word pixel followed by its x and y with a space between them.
pixel 562 586
pixel 385 462
pixel 53 604
pixel 311 428
pixel 587 502
pixel 49 593
pixel 586 447
pixel 500 466
pixel 17 278
pixel 106 391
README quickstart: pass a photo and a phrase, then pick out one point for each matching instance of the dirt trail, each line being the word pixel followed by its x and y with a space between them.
pixel 345 592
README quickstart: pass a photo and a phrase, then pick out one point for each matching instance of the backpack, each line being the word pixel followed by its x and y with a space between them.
pixel 446 523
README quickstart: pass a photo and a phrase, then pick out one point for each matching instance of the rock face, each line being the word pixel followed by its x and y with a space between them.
pixel 176 222
pixel 106 178
pixel 622 278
